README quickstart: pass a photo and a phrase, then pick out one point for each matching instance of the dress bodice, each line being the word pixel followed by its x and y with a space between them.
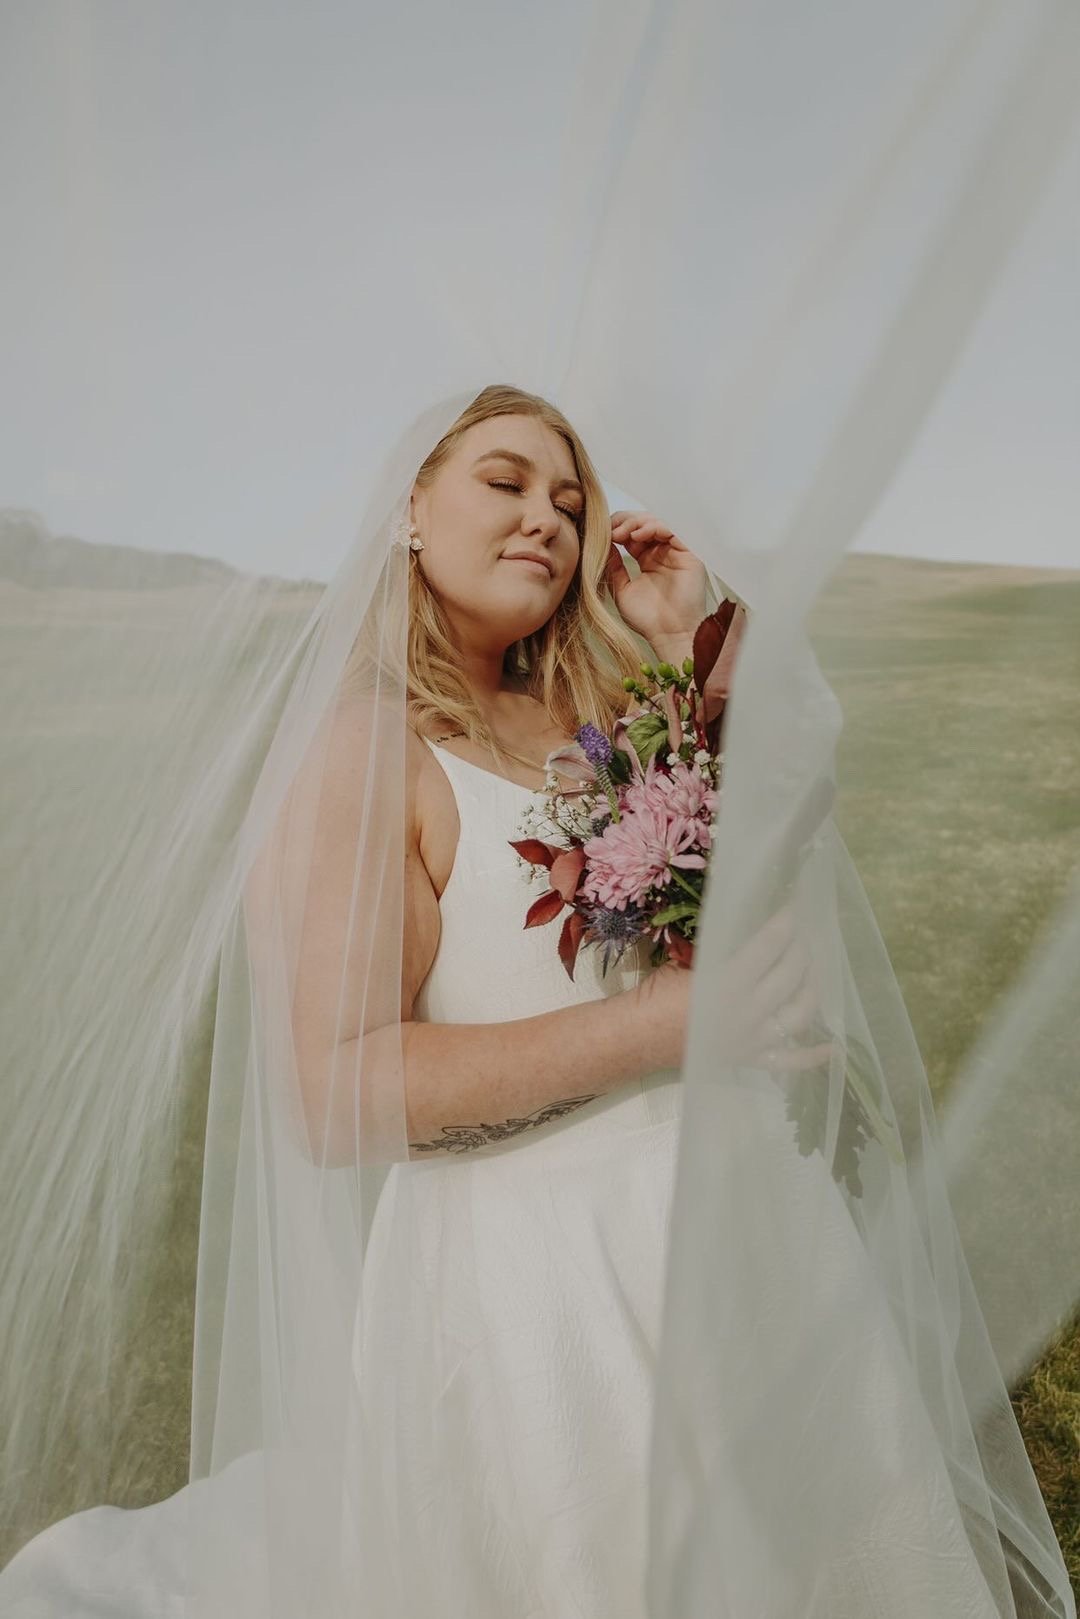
pixel 488 966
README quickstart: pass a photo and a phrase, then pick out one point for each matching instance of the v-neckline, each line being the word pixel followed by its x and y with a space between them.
pixel 517 785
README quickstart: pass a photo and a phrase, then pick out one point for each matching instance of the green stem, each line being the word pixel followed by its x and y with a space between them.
pixel 682 882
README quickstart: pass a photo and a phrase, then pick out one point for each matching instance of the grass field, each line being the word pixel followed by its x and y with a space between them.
pixel 959 776
pixel 959 771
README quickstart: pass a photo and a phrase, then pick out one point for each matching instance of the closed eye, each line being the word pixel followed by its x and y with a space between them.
pixel 508 483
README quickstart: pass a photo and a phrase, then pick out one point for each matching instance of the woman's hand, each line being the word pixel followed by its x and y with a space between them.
pixel 666 601
pixel 766 996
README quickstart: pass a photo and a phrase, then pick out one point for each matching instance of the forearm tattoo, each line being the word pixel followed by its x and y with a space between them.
pixel 466 1137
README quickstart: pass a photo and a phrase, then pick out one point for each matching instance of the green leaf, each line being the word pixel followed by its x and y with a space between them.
pixel 619 767
pixel 644 731
pixel 674 913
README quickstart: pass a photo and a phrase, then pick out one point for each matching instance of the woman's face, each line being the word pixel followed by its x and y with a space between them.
pixel 484 513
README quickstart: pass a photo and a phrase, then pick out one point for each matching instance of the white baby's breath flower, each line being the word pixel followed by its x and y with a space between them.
pixel 673 758
pixel 702 756
pixel 583 827
pixel 540 819
pixel 558 821
pixel 533 875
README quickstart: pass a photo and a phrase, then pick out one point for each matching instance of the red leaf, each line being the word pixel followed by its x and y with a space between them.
pixel 708 639
pixel 570 939
pixel 541 854
pixel 566 871
pixel 721 634
pixel 544 909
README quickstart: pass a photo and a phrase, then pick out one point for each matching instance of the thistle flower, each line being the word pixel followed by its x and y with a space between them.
pixel 615 930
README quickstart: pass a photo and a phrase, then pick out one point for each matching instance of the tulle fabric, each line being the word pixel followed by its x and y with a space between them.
pixel 182 738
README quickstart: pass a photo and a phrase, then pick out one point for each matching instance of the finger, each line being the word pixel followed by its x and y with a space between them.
pixel 637 544
pixel 780 983
pixel 797 1014
pixel 768 943
pixel 616 569
pixel 798 1059
pixel 638 535
pixel 648 540
pixel 619 519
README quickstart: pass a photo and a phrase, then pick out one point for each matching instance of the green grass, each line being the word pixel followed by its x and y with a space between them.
pixel 959 775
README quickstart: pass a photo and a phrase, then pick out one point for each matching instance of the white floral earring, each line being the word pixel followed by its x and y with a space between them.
pixel 408 534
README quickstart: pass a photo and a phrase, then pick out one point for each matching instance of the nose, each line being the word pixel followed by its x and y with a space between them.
pixel 542 520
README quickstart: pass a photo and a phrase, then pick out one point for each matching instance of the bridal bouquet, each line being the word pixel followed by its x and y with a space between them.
pixel 626 852
pixel 625 855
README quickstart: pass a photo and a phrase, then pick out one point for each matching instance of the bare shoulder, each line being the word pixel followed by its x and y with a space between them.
pixel 422 923
pixel 368 733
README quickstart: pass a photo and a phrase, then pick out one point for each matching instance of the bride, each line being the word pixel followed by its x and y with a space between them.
pixel 475 1418
pixel 542 1112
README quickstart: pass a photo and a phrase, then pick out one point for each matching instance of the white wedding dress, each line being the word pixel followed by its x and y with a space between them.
pixel 544 1255
pixel 517 1486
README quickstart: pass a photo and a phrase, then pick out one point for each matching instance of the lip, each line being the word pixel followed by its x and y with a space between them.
pixel 527 556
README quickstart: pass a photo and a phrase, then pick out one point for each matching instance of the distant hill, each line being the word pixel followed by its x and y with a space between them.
pixel 31 556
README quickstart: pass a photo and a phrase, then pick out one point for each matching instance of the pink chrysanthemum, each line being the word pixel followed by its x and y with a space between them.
pixel 685 790
pixel 663 824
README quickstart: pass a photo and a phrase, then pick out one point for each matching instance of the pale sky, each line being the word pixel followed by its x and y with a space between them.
pixel 160 282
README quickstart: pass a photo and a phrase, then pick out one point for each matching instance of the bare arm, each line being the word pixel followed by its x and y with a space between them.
pixel 375 1083
pixel 470 1084
pixel 363 1059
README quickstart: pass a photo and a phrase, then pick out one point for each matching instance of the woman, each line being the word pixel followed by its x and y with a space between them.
pixel 744 248
pixel 466 1422
pixel 542 1112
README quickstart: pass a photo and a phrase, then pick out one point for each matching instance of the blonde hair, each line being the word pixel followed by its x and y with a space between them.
pixel 575 663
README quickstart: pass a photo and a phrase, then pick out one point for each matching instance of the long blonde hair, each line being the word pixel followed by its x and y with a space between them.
pixel 575 663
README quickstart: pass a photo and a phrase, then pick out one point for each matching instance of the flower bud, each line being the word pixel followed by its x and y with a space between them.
pixel 647 669
pixel 688 666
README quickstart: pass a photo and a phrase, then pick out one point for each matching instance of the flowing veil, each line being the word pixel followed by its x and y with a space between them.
pixel 743 249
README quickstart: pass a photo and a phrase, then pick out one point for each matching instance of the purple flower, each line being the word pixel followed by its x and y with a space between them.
pixel 615 930
pixel 594 744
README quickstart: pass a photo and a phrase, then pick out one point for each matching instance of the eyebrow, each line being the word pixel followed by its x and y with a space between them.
pixel 526 465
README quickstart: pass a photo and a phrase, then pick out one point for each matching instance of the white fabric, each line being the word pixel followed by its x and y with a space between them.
pixel 521 1478
pixel 742 248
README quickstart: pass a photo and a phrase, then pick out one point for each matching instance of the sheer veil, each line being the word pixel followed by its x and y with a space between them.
pixel 746 276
